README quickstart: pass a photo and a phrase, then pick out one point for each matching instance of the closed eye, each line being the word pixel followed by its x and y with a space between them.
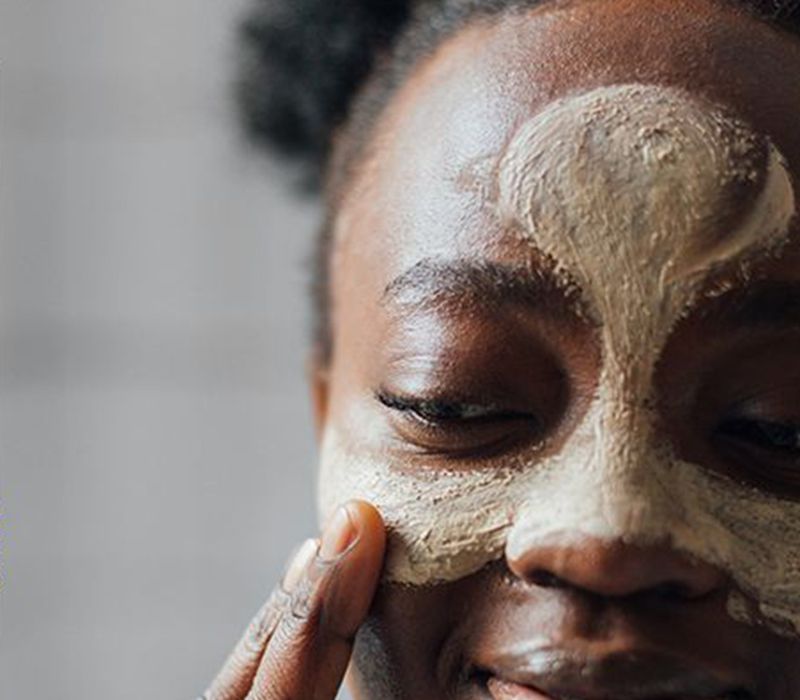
pixel 782 438
pixel 440 411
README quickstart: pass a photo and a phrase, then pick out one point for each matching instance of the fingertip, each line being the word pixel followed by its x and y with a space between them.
pixel 370 524
pixel 366 511
pixel 357 573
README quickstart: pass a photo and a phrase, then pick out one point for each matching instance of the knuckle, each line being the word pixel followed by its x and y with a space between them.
pixel 263 625
pixel 293 637
pixel 303 598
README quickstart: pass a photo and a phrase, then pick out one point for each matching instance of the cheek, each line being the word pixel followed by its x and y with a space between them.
pixel 754 536
pixel 442 525
pixel 399 647
pixel 445 526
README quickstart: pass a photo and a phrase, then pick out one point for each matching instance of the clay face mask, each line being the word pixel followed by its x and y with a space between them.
pixel 636 193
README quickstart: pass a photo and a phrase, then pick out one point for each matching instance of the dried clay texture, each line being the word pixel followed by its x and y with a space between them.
pixel 637 193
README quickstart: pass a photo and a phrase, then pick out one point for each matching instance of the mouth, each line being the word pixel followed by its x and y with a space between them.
pixel 559 675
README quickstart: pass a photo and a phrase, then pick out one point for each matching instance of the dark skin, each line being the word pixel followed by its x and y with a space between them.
pixel 723 376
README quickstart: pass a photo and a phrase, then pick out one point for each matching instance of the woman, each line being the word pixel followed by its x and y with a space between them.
pixel 557 351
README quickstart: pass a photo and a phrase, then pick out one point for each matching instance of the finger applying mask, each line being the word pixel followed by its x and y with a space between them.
pixel 298 645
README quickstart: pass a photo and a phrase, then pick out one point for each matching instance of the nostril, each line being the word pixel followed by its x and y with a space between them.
pixel 617 569
pixel 545 579
pixel 673 591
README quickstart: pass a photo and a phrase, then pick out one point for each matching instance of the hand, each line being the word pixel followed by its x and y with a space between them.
pixel 298 645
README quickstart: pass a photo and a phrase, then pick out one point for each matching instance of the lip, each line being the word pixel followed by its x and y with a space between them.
pixel 558 674
pixel 504 690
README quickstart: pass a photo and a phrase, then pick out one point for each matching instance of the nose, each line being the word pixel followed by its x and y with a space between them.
pixel 616 569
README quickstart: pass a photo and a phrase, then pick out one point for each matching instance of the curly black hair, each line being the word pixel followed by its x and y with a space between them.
pixel 312 68
pixel 303 60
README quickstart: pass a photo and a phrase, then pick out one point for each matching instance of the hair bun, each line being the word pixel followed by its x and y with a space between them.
pixel 302 62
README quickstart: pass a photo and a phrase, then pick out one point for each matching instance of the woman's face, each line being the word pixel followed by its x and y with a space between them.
pixel 566 312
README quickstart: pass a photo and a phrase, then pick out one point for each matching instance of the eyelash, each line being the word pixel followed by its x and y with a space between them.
pixel 453 419
pixel 777 437
pixel 445 412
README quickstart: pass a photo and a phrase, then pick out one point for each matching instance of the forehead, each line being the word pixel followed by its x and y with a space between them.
pixel 421 189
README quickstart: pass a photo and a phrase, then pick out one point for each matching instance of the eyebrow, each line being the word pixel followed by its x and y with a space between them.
pixel 764 304
pixel 432 283
pixel 467 282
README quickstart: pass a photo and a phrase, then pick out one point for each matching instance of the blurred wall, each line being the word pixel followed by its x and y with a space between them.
pixel 157 451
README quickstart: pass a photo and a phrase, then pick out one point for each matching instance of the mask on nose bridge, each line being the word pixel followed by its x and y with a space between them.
pixel 610 482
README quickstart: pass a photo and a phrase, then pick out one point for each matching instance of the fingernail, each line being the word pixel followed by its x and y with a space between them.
pixel 339 537
pixel 298 564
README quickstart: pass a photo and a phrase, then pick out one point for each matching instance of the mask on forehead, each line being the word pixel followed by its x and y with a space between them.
pixel 636 193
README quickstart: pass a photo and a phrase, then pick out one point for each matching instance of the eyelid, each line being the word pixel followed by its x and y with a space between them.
pixel 462 410
pixel 754 431
pixel 756 407
pixel 452 436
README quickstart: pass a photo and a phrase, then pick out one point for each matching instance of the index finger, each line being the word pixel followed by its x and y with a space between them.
pixel 235 679
pixel 310 649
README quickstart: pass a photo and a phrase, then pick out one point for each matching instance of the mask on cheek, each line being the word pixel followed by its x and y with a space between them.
pixel 636 193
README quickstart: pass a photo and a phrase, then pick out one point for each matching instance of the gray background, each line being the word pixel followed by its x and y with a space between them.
pixel 157 452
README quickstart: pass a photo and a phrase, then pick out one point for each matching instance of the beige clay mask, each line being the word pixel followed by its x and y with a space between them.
pixel 637 193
